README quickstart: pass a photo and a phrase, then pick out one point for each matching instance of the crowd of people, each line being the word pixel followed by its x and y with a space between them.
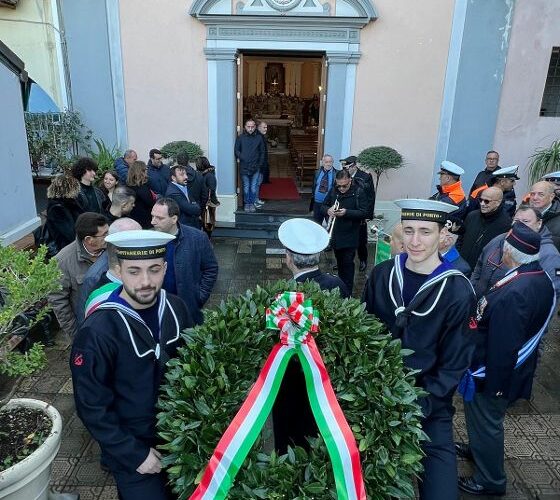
pixel 470 289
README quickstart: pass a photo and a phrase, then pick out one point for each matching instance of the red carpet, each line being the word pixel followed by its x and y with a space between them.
pixel 280 188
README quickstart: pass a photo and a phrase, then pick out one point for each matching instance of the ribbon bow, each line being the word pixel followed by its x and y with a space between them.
pixel 296 319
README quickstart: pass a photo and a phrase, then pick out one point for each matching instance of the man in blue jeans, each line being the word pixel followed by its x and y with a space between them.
pixel 249 150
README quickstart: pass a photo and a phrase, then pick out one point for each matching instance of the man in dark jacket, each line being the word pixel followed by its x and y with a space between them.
pixel 265 169
pixel 504 179
pixel 366 182
pixel 482 178
pixel 249 151
pixel 490 267
pixel 511 317
pixel 192 268
pixel 542 197
pixel 90 198
pixel 159 175
pixel 123 163
pixel 353 206
pixel 118 362
pixel 194 181
pixel 293 419
pixel 482 225
pixel 180 192
pixel 426 304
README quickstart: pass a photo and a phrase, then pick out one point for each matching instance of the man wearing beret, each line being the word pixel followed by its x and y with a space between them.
pixel 512 318
pixel 426 303
pixel 118 361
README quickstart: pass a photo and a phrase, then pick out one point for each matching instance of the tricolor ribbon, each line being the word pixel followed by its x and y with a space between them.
pixel 296 319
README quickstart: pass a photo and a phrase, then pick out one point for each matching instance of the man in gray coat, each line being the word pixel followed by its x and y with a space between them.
pixel 490 267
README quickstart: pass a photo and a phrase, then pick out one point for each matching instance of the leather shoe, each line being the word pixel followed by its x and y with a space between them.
pixel 363 265
pixel 469 485
pixel 464 451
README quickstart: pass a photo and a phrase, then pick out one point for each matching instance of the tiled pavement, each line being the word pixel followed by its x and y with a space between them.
pixel 532 428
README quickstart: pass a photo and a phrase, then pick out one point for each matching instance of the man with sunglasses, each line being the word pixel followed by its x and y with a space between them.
pixel 490 267
pixel 353 206
pixel 482 225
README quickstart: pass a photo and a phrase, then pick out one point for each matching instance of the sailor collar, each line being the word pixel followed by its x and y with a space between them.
pixel 145 334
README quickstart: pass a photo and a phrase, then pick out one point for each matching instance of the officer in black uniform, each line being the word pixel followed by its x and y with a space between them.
pixel 426 303
pixel 366 182
pixel 293 419
pixel 353 206
pixel 118 361
pixel 512 317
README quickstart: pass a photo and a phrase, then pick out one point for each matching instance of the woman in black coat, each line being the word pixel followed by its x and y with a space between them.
pixel 137 180
pixel 62 211
pixel 209 212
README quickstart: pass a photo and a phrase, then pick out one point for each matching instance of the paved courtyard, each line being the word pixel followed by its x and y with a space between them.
pixel 532 428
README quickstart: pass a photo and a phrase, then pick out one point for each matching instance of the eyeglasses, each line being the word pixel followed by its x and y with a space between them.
pixel 344 186
pixel 491 159
pixel 486 201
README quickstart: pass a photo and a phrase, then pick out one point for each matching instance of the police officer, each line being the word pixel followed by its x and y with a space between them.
pixel 353 207
pixel 293 419
pixel 366 183
pixel 553 177
pixel 450 190
pixel 118 361
pixel 512 317
pixel 426 304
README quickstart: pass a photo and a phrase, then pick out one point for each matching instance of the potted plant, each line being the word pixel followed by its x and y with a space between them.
pixel 544 161
pixel 220 364
pixel 105 157
pixel 379 160
pixel 29 430
pixel 171 149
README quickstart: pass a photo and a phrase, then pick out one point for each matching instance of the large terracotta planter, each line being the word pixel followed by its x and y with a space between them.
pixel 29 479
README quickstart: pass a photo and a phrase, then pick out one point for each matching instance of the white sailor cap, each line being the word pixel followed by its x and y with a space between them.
pixel 303 236
pixel 139 244
pixel 506 172
pixel 552 176
pixel 448 167
pixel 430 210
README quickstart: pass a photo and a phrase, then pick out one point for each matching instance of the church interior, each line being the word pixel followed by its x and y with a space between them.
pixel 286 93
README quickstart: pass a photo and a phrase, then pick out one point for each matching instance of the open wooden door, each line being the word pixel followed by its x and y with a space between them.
pixel 239 96
pixel 322 109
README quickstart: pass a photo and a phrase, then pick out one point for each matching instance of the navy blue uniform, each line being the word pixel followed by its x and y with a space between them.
pixel 292 416
pixel 512 312
pixel 117 367
pixel 443 344
pixel 454 258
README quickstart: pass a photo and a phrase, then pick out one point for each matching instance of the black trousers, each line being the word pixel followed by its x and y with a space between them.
pixel 318 216
pixel 485 426
pixel 439 479
pixel 292 417
pixel 345 263
pixel 362 243
pixel 133 486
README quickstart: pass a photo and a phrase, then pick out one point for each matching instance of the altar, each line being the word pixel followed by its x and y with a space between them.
pixel 279 129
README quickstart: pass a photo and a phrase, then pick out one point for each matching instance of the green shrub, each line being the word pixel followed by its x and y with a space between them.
pixel 105 157
pixel 379 160
pixel 209 380
pixel 544 161
pixel 172 149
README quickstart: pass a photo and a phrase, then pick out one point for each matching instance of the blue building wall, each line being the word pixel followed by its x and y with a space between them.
pixel 476 64
pixel 85 24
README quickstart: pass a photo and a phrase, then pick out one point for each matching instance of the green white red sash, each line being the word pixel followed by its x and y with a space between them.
pixel 296 319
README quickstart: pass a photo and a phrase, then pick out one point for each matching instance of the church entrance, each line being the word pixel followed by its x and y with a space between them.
pixel 287 92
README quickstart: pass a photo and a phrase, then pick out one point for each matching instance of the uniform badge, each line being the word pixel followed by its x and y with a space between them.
pixel 78 359
pixel 480 307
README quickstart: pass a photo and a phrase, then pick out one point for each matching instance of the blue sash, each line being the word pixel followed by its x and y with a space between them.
pixel 467 385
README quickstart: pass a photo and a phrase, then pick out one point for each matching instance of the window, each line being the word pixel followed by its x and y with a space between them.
pixel 551 97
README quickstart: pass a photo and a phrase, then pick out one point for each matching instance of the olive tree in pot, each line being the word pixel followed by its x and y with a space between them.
pixel 30 430
pixel 379 160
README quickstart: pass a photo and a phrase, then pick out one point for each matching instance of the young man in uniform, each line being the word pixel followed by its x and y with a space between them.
pixel 427 305
pixel 118 361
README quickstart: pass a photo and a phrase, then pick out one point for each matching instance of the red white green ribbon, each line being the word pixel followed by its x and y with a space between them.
pixel 296 319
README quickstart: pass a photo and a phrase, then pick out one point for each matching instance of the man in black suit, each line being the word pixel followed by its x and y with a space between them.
pixel 366 182
pixel 293 419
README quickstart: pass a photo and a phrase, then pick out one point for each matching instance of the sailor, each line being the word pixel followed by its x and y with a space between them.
pixel 450 190
pixel 293 419
pixel 118 360
pixel 427 304
pixel 512 318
